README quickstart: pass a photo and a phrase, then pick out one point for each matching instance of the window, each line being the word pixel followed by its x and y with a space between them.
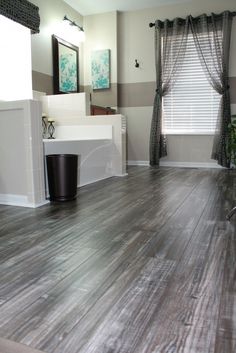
pixel 15 61
pixel 192 105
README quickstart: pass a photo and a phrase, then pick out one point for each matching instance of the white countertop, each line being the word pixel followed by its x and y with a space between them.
pixel 77 139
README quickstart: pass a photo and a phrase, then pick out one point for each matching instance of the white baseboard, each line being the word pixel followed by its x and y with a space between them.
pixel 100 179
pixel 190 164
pixel 144 163
pixel 121 175
pixel 19 200
pixel 178 164
pixel 39 204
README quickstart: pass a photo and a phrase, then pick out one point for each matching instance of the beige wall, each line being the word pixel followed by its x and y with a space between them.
pixel 101 33
pixel 136 86
pixel 51 14
pixel 198 148
pixel 129 37
pixel 136 38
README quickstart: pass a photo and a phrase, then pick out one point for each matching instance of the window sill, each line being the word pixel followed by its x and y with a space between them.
pixel 189 133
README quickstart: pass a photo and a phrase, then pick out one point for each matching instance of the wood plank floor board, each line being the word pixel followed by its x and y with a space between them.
pixel 41 285
pixel 52 336
pixel 84 275
pixel 96 281
pixel 134 306
pixel 226 330
pixel 224 345
pixel 39 271
pixel 140 264
pixel 104 284
pixel 193 297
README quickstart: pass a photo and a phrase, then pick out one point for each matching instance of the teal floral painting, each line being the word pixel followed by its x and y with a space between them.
pixel 67 69
pixel 65 66
pixel 100 69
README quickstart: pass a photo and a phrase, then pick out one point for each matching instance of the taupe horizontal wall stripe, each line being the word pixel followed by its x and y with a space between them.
pixel 103 97
pixel 42 82
pixel 232 83
pixel 141 94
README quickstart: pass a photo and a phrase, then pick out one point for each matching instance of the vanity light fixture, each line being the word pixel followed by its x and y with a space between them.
pixel 72 32
pixel 72 23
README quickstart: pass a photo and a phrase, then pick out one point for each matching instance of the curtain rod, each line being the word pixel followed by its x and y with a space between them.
pixel 152 24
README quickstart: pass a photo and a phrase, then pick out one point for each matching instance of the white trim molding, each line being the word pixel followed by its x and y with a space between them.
pixel 143 163
pixel 190 164
pixel 178 164
pixel 19 200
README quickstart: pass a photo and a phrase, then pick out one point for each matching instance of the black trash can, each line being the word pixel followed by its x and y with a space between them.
pixel 62 171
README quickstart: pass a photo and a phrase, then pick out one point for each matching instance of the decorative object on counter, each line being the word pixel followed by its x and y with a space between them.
pixel 98 110
pixel 51 128
pixel 65 66
pixel 44 125
pixel 100 69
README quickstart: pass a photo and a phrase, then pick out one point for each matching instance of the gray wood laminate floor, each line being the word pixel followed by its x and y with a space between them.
pixel 140 264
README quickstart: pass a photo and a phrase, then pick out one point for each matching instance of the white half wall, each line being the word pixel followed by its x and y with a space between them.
pixel 64 107
pixel 21 154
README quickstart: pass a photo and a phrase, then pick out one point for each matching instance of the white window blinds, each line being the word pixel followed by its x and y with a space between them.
pixel 192 105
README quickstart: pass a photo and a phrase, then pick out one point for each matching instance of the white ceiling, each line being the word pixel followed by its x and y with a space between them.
pixel 90 7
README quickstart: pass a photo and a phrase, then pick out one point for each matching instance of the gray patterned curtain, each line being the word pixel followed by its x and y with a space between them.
pixel 211 36
pixel 215 43
pixel 21 11
pixel 167 71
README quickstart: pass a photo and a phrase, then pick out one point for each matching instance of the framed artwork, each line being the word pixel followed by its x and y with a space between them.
pixel 100 69
pixel 65 66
